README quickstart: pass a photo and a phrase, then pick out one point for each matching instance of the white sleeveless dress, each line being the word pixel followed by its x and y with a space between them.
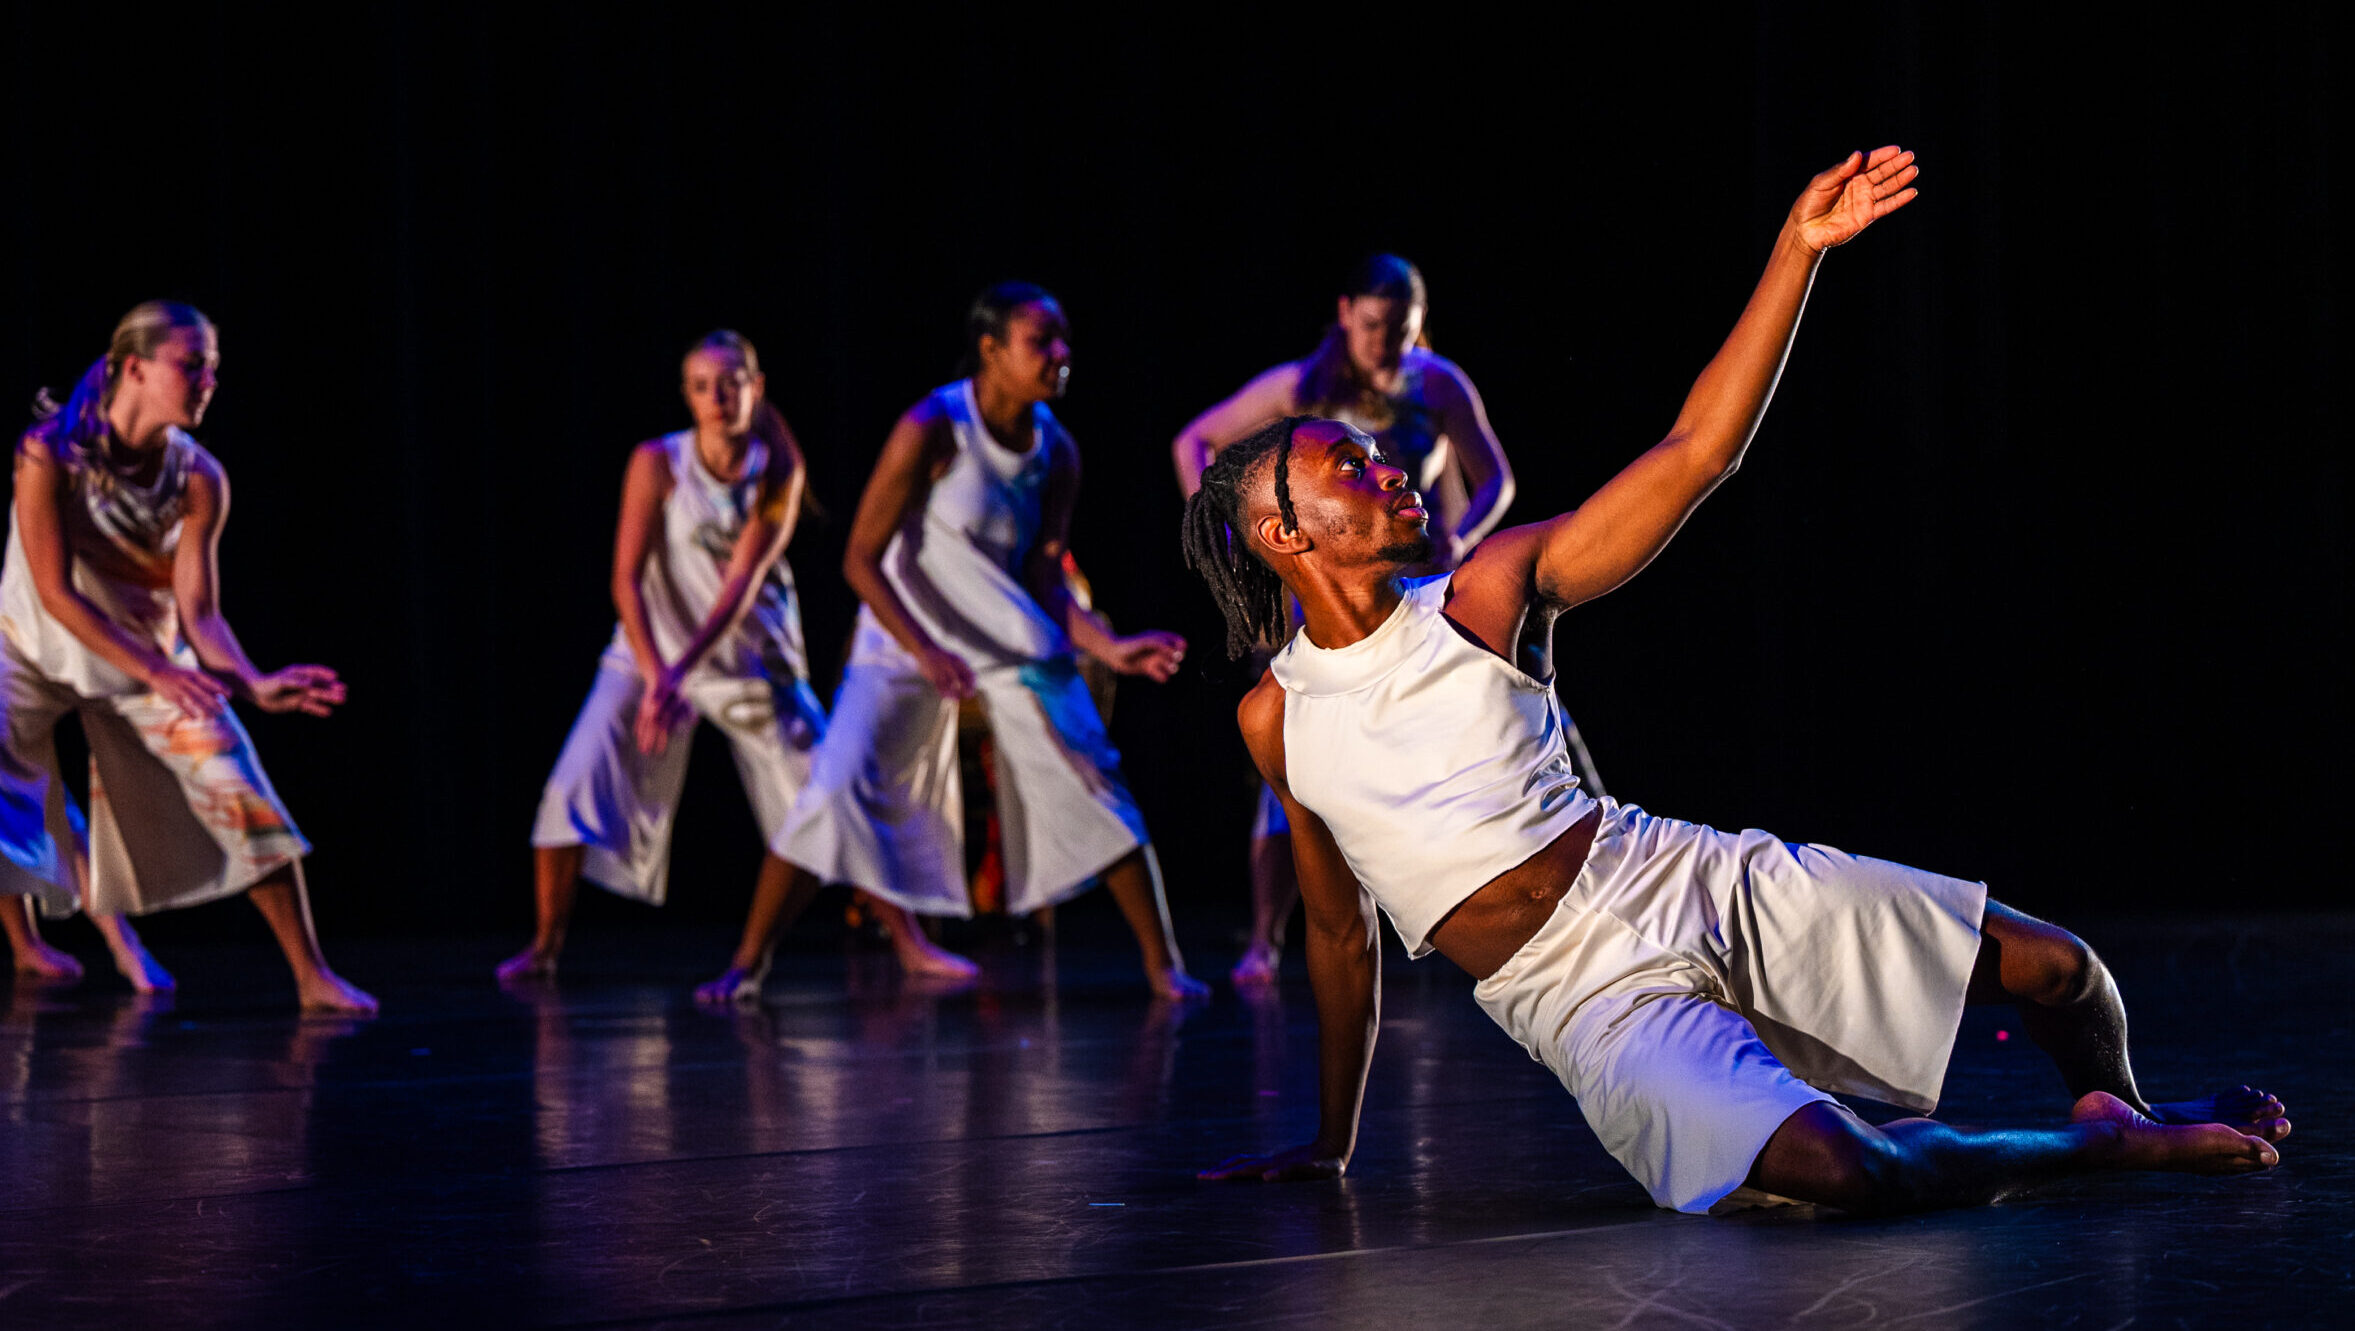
pixel 205 822
pixel 884 810
pixel 613 800
pixel 1694 988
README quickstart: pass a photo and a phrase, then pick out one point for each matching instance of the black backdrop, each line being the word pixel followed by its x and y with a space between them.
pixel 2035 573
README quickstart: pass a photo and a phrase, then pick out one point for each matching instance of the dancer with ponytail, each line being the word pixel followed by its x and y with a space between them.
pixel 1374 370
pixel 710 627
pixel 110 609
pixel 957 554
pixel 1701 993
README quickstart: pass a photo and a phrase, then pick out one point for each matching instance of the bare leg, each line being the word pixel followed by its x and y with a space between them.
pixel 34 957
pixel 2069 1005
pixel 556 884
pixel 1275 890
pixel 918 954
pixel 131 957
pixel 287 907
pixel 779 895
pixel 1136 885
pixel 1825 1154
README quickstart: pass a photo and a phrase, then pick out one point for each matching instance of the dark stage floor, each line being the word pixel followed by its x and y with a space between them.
pixel 860 1153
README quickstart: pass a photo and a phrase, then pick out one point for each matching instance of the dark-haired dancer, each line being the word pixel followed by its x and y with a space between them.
pixel 1374 370
pixel 1693 989
pixel 110 607
pixel 957 555
pixel 708 626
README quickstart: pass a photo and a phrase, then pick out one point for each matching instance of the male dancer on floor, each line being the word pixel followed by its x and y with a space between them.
pixel 1697 991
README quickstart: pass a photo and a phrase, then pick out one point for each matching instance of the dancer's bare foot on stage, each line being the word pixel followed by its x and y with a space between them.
pixel 924 959
pixel 1177 985
pixel 533 963
pixel 1261 964
pixel 329 992
pixel 737 985
pixel 2241 1108
pixel 39 961
pixel 147 976
pixel 2204 1148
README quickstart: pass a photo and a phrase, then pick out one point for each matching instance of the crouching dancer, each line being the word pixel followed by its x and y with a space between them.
pixel 1699 992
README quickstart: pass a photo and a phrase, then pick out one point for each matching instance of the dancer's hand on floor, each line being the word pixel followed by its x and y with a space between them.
pixel 192 691
pixel 1840 203
pixel 1295 1165
pixel 661 711
pixel 1154 654
pixel 313 690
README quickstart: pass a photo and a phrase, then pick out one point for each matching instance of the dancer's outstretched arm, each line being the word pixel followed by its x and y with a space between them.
pixel 1344 966
pixel 1153 653
pixel 313 690
pixel 1269 395
pixel 1609 538
pixel 761 543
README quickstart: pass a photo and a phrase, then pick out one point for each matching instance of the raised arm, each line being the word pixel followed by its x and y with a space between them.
pixel 1487 475
pixel 196 590
pixel 761 543
pixel 900 482
pixel 1608 539
pixel 1264 399
pixel 1344 966
pixel 1153 653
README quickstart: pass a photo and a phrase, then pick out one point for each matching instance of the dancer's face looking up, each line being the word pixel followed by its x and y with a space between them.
pixel 721 391
pixel 175 383
pixel 1033 359
pixel 1353 507
pixel 1379 329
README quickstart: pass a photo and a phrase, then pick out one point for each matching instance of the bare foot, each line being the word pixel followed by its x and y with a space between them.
pixel 146 975
pixel 1177 985
pixel 329 992
pixel 2241 1108
pixel 2203 1148
pixel 736 984
pixel 533 963
pixel 39 961
pixel 928 960
pixel 1260 965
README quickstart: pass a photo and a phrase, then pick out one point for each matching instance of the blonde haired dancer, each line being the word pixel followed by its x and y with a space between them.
pixel 110 608
pixel 708 626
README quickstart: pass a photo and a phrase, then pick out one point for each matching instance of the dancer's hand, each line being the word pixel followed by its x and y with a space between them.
pixel 1154 654
pixel 313 690
pixel 1296 1165
pixel 947 672
pixel 1840 203
pixel 192 691
pixel 661 711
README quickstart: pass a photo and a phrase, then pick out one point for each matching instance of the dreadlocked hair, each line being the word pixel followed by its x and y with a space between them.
pixel 1248 592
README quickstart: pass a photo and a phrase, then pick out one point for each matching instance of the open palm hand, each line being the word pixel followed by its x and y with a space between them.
pixel 1840 203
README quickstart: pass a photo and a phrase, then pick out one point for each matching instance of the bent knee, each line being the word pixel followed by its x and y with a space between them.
pixel 1827 1155
pixel 2043 963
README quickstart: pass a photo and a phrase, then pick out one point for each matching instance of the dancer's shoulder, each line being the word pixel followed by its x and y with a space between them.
pixel 1260 716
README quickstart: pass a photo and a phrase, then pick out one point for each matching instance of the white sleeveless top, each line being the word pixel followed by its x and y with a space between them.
pixel 957 562
pixel 681 580
pixel 1437 764
pixel 121 539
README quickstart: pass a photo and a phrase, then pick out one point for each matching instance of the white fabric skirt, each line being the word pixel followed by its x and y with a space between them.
pixel 203 821
pixel 1696 988
pixel 885 806
pixel 618 804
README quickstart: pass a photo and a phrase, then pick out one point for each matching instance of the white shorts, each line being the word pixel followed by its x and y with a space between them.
pixel 618 804
pixel 885 806
pixel 202 819
pixel 1695 988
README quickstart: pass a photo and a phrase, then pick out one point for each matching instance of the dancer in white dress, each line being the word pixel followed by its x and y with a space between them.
pixel 709 627
pixel 1374 370
pixel 110 609
pixel 957 553
pixel 1698 992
